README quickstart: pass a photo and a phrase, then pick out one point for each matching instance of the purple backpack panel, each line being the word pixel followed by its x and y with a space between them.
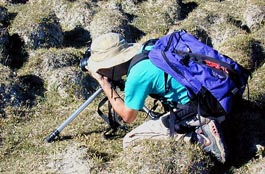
pixel 199 67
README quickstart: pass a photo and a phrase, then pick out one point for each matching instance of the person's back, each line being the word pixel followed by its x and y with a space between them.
pixel 144 79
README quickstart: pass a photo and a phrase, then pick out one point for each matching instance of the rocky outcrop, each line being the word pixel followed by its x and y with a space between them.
pixel 75 13
pixel 114 21
pixel 18 91
pixel 39 31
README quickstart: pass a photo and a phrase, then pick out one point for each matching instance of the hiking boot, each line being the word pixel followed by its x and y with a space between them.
pixel 210 137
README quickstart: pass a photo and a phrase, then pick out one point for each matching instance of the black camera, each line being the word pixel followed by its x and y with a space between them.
pixel 83 62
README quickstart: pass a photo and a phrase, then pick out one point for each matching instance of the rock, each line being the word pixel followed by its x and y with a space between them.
pixel 17 92
pixel 254 16
pixel 74 14
pixel 114 21
pixel 69 82
pixel 39 30
pixel 61 73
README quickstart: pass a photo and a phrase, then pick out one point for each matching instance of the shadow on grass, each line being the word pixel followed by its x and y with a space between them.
pixel 243 131
pixel 70 137
pixel 108 135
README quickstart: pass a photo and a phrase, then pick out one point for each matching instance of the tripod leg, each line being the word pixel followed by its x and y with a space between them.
pixel 57 131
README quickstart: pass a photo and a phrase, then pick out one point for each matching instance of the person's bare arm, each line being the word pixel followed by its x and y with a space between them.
pixel 127 114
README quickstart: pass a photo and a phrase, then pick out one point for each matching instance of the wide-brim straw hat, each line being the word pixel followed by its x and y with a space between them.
pixel 109 50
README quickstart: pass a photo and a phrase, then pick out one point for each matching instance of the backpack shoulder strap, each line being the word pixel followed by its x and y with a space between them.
pixel 137 58
pixel 144 53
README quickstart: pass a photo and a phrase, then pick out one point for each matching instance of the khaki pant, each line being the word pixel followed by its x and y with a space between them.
pixel 159 129
pixel 152 129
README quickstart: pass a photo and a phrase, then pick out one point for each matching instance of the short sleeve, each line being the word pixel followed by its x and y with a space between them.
pixel 137 88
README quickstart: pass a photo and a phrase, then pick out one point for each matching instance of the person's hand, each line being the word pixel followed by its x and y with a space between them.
pixel 96 76
pixel 102 80
pixel 93 73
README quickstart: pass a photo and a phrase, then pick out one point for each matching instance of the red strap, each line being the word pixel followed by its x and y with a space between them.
pixel 216 65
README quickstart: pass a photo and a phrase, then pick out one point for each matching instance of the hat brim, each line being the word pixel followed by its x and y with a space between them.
pixel 124 56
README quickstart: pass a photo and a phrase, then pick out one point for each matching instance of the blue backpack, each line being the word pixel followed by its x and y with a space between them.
pixel 214 81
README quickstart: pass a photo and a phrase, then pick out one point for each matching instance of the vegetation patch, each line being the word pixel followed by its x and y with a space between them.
pixel 156 17
pixel 243 49
pixel 147 157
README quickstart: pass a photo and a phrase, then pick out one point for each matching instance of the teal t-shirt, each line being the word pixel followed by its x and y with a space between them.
pixel 144 79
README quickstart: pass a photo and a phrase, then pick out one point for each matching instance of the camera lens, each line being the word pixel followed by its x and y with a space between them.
pixel 83 64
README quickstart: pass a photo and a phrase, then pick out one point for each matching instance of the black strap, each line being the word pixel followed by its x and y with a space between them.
pixel 137 58
pixel 171 38
pixel 175 69
pixel 112 115
pixel 200 59
pixel 167 87
pixel 183 112
pixel 110 119
pixel 143 55
pixel 172 122
pixel 226 68
pixel 100 113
